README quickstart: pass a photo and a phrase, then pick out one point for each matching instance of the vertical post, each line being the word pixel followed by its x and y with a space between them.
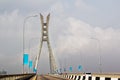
pixel 24 37
pixel 99 46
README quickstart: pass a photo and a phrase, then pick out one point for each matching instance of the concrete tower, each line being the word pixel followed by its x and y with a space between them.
pixel 45 38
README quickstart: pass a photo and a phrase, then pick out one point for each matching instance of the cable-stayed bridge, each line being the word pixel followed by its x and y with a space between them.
pixel 55 73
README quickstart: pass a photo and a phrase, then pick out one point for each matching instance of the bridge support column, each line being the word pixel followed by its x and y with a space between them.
pixel 45 38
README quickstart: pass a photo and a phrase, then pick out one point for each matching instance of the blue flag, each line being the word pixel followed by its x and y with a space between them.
pixel 34 70
pixel 30 64
pixel 79 67
pixel 64 69
pixel 70 68
pixel 25 59
pixel 60 69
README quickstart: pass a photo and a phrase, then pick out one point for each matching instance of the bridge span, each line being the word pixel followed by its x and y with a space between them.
pixel 50 77
pixel 65 76
pixel 31 77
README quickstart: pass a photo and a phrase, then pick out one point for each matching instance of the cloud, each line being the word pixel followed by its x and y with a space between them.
pixel 71 38
pixel 26 6
pixel 84 39
pixel 10 40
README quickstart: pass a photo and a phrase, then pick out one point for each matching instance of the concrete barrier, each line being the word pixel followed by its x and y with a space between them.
pixel 17 76
pixel 93 76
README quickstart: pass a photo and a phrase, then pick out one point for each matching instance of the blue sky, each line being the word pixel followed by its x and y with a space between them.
pixel 81 25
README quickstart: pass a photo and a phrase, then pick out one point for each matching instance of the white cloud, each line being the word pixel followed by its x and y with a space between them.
pixel 10 22
pixel 83 40
pixel 69 35
pixel 80 36
pixel 10 37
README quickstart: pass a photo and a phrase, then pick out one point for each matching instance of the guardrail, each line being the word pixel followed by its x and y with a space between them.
pixel 30 76
pixel 91 76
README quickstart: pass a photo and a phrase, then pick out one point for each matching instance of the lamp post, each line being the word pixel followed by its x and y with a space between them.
pixel 24 35
pixel 30 41
pixel 99 46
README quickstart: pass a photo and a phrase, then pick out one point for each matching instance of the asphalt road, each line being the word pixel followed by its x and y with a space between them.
pixel 48 77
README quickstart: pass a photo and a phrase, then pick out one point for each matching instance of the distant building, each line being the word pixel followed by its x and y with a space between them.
pixel 3 72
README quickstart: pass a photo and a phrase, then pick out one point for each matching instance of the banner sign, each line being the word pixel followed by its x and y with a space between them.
pixel 30 64
pixel 79 67
pixel 70 68
pixel 25 59
pixel 34 70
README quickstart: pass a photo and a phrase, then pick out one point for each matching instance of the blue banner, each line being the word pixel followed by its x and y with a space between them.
pixel 25 59
pixel 70 68
pixel 34 70
pixel 30 64
pixel 64 69
pixel 79 67
pixel 60 69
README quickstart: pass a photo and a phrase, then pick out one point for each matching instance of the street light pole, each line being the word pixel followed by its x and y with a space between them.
pixel 24 36
pixel 99 46
pixel 29 49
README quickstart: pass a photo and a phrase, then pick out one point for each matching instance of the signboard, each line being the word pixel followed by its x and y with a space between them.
pixel 25 59
pixel 34 70
pixel 64 69
pixel 79 67
pixel 70 68
pixel 30 64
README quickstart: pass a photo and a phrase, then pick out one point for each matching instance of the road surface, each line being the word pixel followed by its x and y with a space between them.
pixel 48 77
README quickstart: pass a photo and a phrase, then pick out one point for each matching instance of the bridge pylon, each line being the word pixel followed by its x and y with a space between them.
pixel 45 38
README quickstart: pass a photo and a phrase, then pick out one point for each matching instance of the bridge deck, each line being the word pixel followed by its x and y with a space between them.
pixel 48 77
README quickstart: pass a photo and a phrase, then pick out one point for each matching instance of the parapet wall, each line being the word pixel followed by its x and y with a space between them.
pixel 94 76
pixel 31 76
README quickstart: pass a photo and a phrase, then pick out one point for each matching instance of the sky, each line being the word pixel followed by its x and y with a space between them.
pixel 82 32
